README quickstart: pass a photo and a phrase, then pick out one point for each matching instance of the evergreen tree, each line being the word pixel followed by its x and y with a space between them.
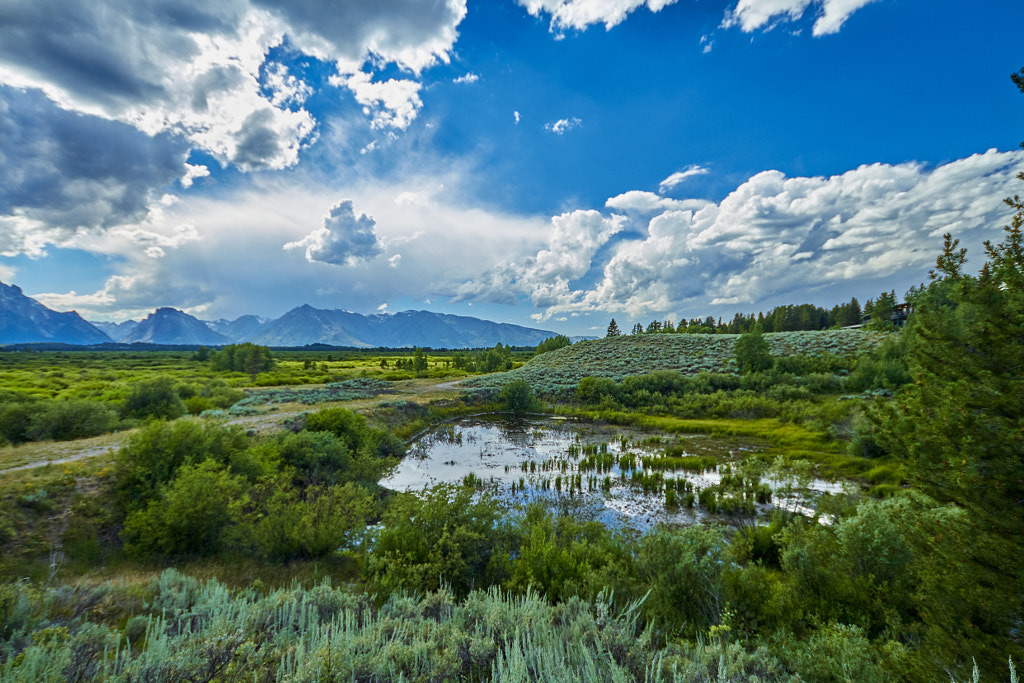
pixel 613 329
pixel 752 351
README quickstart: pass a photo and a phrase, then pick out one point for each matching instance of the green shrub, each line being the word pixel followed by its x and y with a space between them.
pixel 67 420
pixel 150 458
pixel 155 398
pixel 445 539
pixel 517 397
pixel 190 515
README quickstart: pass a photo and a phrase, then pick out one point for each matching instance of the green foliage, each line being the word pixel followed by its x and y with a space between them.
pixel 959 425
pixel 613 329
pixel 517 397
pixel 190 515
pixel 352 429
pixel 25 419
pixel 186 630
pixel 553 343
pixel 285 523
pixel 682 570
pixel 150 458
pixel 560 556
pixel 156 398
pixel 752 351
pixel 628 355
pixel 444 539
pixel 248 358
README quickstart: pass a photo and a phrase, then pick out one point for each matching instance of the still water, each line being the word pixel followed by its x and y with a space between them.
pixel 521 459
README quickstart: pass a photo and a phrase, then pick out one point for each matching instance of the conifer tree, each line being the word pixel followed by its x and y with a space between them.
pixel 613 329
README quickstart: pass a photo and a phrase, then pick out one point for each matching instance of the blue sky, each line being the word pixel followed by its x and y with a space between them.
pixel 552 163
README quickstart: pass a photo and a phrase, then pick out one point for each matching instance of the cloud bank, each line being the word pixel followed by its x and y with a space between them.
pixel 772 235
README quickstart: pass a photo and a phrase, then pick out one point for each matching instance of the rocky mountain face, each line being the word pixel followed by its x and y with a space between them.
pixel 25 320
pixel 171 326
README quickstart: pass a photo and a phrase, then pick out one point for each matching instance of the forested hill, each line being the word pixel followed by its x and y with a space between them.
pixel 621 356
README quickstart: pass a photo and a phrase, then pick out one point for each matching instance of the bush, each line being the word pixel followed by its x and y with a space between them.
pixel 517 397
pixel 151 457
pixel 153 398
pixel 447 538
pixel 190 515
pixel 67 420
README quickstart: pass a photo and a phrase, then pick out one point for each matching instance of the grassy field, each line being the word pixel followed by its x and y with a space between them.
pixel 690 354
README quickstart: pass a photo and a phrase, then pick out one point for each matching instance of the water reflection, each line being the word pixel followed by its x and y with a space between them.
pixel 519 460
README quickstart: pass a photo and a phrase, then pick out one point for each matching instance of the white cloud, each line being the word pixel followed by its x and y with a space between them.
pixel 562 125
pixel 516 116
pixel 573 241
pixel 195 69
pixel 342 240
pixel 285 88
pixel 751 15
pixel 468 78
pixel 680 177
pixel 579 14
pixel 771 236
pixel 193 172
pixel 392 103
pixel 648 202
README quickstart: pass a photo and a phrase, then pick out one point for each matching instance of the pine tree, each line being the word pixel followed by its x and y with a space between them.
pixel 613 329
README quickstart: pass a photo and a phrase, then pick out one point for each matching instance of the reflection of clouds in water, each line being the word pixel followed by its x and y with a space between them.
pixel 494 450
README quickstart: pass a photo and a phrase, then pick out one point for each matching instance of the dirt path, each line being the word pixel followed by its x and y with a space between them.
pixel 31 455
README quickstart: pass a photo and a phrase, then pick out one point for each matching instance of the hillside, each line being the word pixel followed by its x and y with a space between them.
pixel 619 357
pixel 23 320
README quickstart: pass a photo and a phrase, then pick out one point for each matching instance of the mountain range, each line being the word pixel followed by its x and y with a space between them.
pixel 25 320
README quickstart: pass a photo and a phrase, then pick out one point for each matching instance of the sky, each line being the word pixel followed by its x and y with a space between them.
pixel 549 163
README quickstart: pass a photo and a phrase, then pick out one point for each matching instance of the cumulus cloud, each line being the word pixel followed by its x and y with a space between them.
pixel 579 14
pixel 343 239
pixel 751 15
pixel 773 235
pixel 562 125
pixel 680 177
pixel 200 69
pixel 393 103
pixel 62 173
pixel 573 241
pixel 192 173
pixel 468 78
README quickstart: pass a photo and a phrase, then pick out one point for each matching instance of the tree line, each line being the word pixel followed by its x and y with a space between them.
pixel 875 312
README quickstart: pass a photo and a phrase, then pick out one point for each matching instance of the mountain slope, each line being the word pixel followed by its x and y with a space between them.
pixel 623 356
pixel 171 326
pixel 308 325
pixel 239 330
pixel 116 331
pixel 25 320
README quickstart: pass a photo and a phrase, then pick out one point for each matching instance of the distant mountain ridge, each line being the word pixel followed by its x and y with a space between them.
pixel 308 325
pixel 24 320
pixel 171 326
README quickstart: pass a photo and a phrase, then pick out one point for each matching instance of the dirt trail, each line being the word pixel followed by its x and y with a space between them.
pixel 59 453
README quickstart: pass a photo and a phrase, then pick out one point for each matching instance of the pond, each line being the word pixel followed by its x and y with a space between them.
pixel 620 476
